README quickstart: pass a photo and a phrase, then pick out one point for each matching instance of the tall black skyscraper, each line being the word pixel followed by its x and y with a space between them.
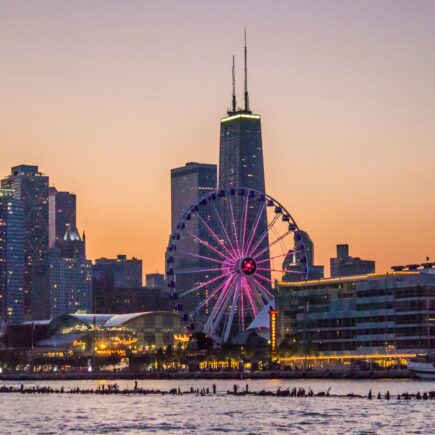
pixel 31 187
pixel 241 149
pixel 241 158
pixel 61 214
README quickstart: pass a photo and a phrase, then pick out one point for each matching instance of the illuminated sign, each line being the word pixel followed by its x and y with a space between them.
pixel 273 314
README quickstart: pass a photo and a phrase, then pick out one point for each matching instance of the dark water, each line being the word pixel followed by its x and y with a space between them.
pixel 53 414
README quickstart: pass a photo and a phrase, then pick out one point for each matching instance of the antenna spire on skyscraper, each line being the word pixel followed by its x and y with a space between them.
pixel 246 76
pixel 234 86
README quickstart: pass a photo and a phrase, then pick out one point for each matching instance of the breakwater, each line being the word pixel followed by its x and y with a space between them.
pixel 297 392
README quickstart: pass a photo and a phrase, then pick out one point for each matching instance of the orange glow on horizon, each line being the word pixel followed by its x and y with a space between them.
pixel 346 98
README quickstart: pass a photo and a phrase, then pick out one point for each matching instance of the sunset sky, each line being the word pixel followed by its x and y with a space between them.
pixel 108 96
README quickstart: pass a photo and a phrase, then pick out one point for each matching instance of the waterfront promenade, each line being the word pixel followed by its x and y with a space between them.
pixel 185 375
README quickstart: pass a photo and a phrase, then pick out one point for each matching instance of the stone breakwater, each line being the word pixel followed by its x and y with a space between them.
pixel 113 389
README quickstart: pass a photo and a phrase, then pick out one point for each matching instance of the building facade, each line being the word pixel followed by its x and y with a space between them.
pixel 155 280
pixel 188 185
pixel 119 272
pixel 130 300
pixel 31 187
pixel 102 334
pixel 12 259
pixel 375 313
pixel 61 214
pixel 345 265
pixel 241 165
pixel 62 280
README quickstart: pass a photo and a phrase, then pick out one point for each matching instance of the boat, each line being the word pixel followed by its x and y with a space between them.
pixel 423 366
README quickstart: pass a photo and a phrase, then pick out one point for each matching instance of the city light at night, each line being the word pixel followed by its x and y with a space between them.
pixel 217 217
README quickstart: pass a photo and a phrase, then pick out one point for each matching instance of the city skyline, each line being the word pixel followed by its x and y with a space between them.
pixel 348 140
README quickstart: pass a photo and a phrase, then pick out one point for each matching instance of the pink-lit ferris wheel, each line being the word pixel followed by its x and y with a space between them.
pixel 225 255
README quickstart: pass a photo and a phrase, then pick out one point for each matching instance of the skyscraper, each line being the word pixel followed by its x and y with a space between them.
pixel 241 160
pixel 189 183
pixel 31 187
pixel 11 258
pixel 241 149
pixel 62 279
pixel 293 262
pixel 61 214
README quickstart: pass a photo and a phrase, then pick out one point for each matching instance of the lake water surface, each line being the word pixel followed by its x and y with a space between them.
pixel 190 414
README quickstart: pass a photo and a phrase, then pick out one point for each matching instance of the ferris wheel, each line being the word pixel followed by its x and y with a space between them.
pixel 224 256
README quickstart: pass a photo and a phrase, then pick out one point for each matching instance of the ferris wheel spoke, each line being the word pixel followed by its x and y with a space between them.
pixel 222 312
pixel 264 290
pixel 255 226
pixel 223 228
pixel 183 271
pixel 201 256
pixel 234 224
pixel 205 284
pixel 256 295
pixel 279 270
pixel 283 236
pixel 219 310
pixel 251 302
pixel 203 242
pixel 221 297
pixel 263 235
pixel 216 237
pixel 205 301
pixel 242 305
pixel 265 278
pixel 231 316
pixel 278 256
pixel 243 233
pixel 281 242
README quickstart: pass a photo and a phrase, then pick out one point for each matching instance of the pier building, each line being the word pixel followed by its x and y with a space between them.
pixel 390 312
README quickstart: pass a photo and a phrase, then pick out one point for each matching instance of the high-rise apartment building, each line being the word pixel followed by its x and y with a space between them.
pixel 31 187
pixel 62 279
pixel 61 214
pixel 11 258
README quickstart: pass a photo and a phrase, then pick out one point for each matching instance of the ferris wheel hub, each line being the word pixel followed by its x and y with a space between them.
pixel 248 266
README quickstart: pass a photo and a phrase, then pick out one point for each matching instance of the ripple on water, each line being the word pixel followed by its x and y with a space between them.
pixel 52 414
